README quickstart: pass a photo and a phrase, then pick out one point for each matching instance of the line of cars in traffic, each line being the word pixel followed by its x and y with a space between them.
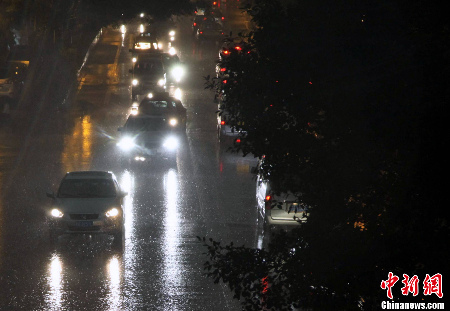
pixel 157 120
pixel 89 202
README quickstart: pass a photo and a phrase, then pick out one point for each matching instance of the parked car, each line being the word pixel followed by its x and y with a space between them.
pixel 210 31
pixel 87 202
pixel 282 210
pixel 229 47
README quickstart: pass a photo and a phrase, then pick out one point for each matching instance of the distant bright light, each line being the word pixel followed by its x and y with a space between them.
pixel 123 29
pixel 57 213
pixel 141 28
pixel 126 143
pixel 178 73
pixel 172 33
pixel 178 94
pixel 173 122
pixel 142 15
pixel 171 143
pixel 172 51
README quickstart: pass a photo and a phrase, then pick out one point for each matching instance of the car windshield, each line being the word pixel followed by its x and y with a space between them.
pixel 156 106
pixel 149 67
pixel 146 124
pixel 87 188
pixel 170 60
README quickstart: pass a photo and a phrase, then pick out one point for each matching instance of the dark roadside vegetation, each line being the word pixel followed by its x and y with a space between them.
pixel 345 100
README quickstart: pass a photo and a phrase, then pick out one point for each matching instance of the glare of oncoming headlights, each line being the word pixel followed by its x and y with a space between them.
pixel 178 73
pixel 56 213
pixel 161 82
pixel 171 143
pixel 112 212
pixel 177 94
pixel 172 51
pixel 126 143
pixel 173 122
pixel 135 82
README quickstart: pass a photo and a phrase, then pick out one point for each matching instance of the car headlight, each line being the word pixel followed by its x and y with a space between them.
pixel 126 143
pixel 173 121
pixel 135 82
pixel 161 82
pixel 171 143
pixel 56 213
pixel 172 33
pixel 172 51
pixel 178 72
pixel 112 212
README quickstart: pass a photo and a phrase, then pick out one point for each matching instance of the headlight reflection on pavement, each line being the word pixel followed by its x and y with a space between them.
pixel 172 277
pixel 54 296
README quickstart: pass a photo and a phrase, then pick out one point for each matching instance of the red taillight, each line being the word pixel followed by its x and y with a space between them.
pixel 223 18
pixel 195 24
pixel 237 48
pixel 226 52
pixel 222 123
pixel 223 69
pixel 204 18
pixel 201 32
pixel 224 81
pixel 238 140
pixel 268 201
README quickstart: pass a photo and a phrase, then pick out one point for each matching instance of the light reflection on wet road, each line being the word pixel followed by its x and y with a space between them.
pixel 208 193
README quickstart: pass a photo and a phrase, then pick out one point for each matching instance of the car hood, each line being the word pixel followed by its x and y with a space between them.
pixel 86 205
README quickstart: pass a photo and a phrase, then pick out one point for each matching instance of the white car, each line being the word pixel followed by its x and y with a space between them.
pixel 87 202
pixel 279 211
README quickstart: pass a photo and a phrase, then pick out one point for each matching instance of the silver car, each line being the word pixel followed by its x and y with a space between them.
pixel 87 202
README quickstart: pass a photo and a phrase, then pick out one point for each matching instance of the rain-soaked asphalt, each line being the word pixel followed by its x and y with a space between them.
pixel 210 192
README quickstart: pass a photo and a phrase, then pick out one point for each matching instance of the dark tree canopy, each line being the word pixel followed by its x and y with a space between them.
pixel 345 101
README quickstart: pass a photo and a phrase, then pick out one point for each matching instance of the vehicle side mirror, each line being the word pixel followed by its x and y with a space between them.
pixel 51 194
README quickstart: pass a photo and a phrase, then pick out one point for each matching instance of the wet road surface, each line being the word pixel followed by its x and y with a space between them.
pixel 209 192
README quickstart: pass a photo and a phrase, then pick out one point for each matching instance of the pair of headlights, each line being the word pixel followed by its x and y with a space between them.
pixel 57 213
pixel 127 143
pixel 161 82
